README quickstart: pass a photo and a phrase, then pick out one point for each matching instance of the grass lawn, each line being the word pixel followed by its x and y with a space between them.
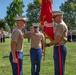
pixel 47 67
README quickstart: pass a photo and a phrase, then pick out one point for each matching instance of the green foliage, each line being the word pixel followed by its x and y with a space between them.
pixel 33 13
pixel 2 24
pixel 14 10
pixel 69 8
pixel 40 1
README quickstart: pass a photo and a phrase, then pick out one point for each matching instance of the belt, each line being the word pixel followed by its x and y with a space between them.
pixel 35 48
pixel 59 45
pixel 19 50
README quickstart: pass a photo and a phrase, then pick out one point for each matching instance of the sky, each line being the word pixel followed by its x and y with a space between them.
pixel 5 3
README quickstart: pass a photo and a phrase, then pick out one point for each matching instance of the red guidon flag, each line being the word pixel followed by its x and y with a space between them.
pixel 46 18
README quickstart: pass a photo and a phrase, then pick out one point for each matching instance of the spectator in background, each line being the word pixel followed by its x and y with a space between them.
pixel 69 36
pixel 2 35
pixel 73 36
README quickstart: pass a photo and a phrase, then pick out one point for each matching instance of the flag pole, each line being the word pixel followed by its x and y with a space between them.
pixel 44 49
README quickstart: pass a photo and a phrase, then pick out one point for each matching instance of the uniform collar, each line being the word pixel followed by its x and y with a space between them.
pixel 62 22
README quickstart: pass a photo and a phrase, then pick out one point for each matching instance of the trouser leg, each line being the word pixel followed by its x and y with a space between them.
pixel 56 62
pixel 1 40
pixel 17 67
pixel 64 53
pixel 59 60
pixel 39 57
pixel 33 59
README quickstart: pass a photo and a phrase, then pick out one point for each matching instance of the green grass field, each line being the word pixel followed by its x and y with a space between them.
pixel 47 66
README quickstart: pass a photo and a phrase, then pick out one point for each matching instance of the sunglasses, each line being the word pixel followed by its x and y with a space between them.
pixel 35 26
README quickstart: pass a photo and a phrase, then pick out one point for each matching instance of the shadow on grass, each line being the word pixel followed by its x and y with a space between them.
pixel 26 55
pixel 23 55
pixel 5 56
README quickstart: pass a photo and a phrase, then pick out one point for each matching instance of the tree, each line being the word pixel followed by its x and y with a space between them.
pixel 33 13
pixel 2 24
pixel 14 10
pixel 69 8
pixel 40 1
